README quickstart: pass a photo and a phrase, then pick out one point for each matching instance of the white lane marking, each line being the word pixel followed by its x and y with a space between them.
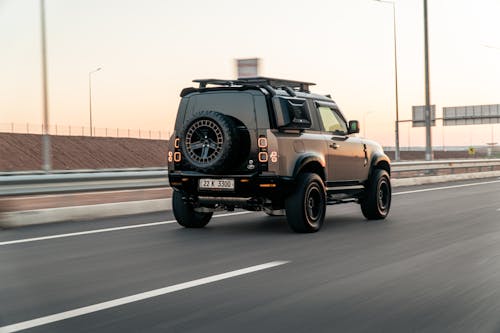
pixel 445 187
pixel 135 298
pixel 73 234
pixel 27 240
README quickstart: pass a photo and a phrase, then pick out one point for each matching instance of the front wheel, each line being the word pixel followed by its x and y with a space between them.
pixel 306 207
pixel 185 215
pixel 376 203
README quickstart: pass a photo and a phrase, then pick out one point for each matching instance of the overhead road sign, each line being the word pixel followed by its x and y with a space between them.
pixel 471 115
pixel 418 115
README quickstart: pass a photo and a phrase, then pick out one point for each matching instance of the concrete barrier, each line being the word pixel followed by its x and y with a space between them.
pixel 86 212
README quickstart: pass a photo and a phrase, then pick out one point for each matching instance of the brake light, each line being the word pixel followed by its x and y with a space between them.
pixel 176 155
pixel 263 157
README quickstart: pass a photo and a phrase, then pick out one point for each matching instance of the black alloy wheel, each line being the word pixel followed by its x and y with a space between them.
pixel 306 206
pixel 210 142
pixel 376 202
pixel 204 140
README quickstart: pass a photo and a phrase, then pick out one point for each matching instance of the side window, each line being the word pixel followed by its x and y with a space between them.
pixel 332 122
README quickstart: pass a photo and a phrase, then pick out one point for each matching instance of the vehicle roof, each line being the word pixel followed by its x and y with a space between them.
pixel 273 86
pixel 258 81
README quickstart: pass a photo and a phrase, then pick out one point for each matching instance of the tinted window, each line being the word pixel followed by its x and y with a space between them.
pixel 295 112
pixel 296 108
pixel 332 122
pixel 239 105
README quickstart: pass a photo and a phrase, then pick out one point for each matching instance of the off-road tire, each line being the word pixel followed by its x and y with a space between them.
pixel 376 202
pixel 306 207
pixel 185 215
pixel 209 141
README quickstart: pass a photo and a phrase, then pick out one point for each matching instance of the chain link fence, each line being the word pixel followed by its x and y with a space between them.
pixel 29 128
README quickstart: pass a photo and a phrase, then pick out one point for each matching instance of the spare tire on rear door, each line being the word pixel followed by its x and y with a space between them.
pixel 209 141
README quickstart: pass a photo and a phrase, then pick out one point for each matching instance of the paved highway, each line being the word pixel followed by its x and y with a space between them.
pixel 432 266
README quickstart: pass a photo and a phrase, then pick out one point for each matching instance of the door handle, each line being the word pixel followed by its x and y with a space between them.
pixel 334 145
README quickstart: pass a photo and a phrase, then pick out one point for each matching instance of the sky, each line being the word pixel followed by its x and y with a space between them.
pixel 150 49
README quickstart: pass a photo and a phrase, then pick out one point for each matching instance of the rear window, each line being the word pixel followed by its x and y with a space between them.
pixel 239 105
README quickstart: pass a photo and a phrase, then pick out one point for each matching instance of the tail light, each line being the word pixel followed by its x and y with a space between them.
pixel 175 156
pixel 263 155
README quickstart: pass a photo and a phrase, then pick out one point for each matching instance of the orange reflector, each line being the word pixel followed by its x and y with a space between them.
pixel 177 156
pixel 262 142
pixel 263 157
pixel 267 185
pixel 176 142
pixel 244 180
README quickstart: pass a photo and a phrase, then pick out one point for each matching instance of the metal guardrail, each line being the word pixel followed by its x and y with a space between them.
pixel 430 164
pixel 440 167
pixel 82 181
pixel 73 181
pixel 75 171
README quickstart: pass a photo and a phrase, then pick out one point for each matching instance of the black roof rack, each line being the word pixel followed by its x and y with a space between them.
pixel 259 81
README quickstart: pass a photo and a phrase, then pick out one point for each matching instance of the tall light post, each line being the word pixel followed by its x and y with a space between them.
pixel 492 143
pixel 90 96
pixel 46 154
pixel 396 153
pixel 428 139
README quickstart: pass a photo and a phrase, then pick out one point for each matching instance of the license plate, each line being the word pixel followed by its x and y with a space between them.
pixel 216 184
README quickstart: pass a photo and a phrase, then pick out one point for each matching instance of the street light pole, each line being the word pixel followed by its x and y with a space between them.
pixel 493 143
pixel 46 154
pixel 428 139
pixel 397 152
pixel 90 96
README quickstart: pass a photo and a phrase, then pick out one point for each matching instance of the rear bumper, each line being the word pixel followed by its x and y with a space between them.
pixel 245 186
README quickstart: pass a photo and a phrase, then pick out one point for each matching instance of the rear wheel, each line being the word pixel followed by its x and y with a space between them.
pixel 306 207
pixel 377 201
pixel 185 215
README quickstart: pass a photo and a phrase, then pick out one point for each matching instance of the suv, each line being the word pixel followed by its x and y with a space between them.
pixel 265 144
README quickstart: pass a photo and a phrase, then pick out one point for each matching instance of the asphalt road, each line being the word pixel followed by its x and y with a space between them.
pixel 432 266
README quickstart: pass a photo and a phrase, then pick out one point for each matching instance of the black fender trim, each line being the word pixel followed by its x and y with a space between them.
pixel 382 160
pixel 307 159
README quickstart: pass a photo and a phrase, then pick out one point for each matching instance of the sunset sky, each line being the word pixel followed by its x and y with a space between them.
pixel 150 49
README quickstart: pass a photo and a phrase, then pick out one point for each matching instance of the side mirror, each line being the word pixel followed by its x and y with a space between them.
pixel 353 127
